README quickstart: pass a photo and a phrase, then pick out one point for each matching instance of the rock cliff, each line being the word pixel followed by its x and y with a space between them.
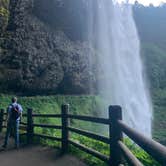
pixel 46 48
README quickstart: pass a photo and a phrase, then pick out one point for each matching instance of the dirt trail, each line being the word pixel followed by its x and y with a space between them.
pixel 36 156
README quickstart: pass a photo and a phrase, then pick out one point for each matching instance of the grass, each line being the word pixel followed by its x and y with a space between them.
pixel 82 105
pixel 159 121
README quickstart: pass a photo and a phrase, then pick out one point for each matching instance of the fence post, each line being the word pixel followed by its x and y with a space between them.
pixel 65 132
pixel 29 126
pixel 1 119
pixel 115 134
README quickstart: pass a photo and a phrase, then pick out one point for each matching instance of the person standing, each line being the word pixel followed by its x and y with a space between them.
pixel 14 113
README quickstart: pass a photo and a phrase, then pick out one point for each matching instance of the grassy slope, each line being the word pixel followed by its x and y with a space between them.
pixel 52 104
pixel 84 105
pixel 155 62
pixel 159 125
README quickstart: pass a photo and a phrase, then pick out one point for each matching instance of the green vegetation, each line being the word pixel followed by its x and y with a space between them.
pixel 4 14
pixel 159 130
pixel 4 17
pixel 84 105
pixel 153 52
pixel 81 105
pixel 4 7
pixel 151 25
pixel 141 154
pixel 104 149
pixel 155 61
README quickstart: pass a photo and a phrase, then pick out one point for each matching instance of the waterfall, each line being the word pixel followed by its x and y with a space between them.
pixel 121 75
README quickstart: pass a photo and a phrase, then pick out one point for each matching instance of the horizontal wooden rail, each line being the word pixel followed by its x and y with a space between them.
pixel 47 115
pixel 23 123
pixel 24 115
pixel 156 150
pixel 89 118
pixel 1 119
pixel 90 151
pixel 47 137
pixel 23 127
pixel 23 134
pixel 47 126
pixel 90 135
pixel 131 159
pixel 117 149
pixel 3 126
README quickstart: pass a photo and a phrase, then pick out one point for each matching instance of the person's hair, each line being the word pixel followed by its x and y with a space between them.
pixel 14 99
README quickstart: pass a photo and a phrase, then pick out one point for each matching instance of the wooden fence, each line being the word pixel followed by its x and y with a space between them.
pixel 118 150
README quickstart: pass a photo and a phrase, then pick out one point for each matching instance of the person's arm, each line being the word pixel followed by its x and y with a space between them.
pixel 21 110
pixel 7 113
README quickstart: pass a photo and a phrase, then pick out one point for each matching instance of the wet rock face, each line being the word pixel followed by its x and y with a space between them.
pixel 71 16
pixel 41 56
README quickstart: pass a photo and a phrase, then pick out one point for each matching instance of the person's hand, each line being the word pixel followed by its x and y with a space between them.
pixel 5 122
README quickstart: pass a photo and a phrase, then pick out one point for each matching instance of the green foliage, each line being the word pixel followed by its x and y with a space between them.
pixel 52 104
pixel 153 40
pixel 104 149
pixel 140 154
pixel 4 14
pixel 155 62
pixel 159 123
pixel 151 23
pixel 90 143
pixel 84 105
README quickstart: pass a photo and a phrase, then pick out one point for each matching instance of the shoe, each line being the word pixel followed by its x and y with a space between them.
pixel 16 147
pixel 3 147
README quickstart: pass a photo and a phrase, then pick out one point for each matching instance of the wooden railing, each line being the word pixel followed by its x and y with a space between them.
pixel 118 150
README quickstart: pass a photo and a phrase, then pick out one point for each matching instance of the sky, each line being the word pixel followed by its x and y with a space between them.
pixel 146 2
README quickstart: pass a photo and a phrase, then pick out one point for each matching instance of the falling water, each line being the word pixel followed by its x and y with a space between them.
pixel 121 73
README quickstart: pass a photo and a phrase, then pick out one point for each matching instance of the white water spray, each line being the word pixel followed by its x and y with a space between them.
pixel 122 83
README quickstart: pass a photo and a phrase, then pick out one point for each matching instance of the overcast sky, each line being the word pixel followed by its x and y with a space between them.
pixel 146 2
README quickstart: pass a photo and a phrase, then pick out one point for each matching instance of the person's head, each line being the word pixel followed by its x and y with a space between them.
pixel 14 99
